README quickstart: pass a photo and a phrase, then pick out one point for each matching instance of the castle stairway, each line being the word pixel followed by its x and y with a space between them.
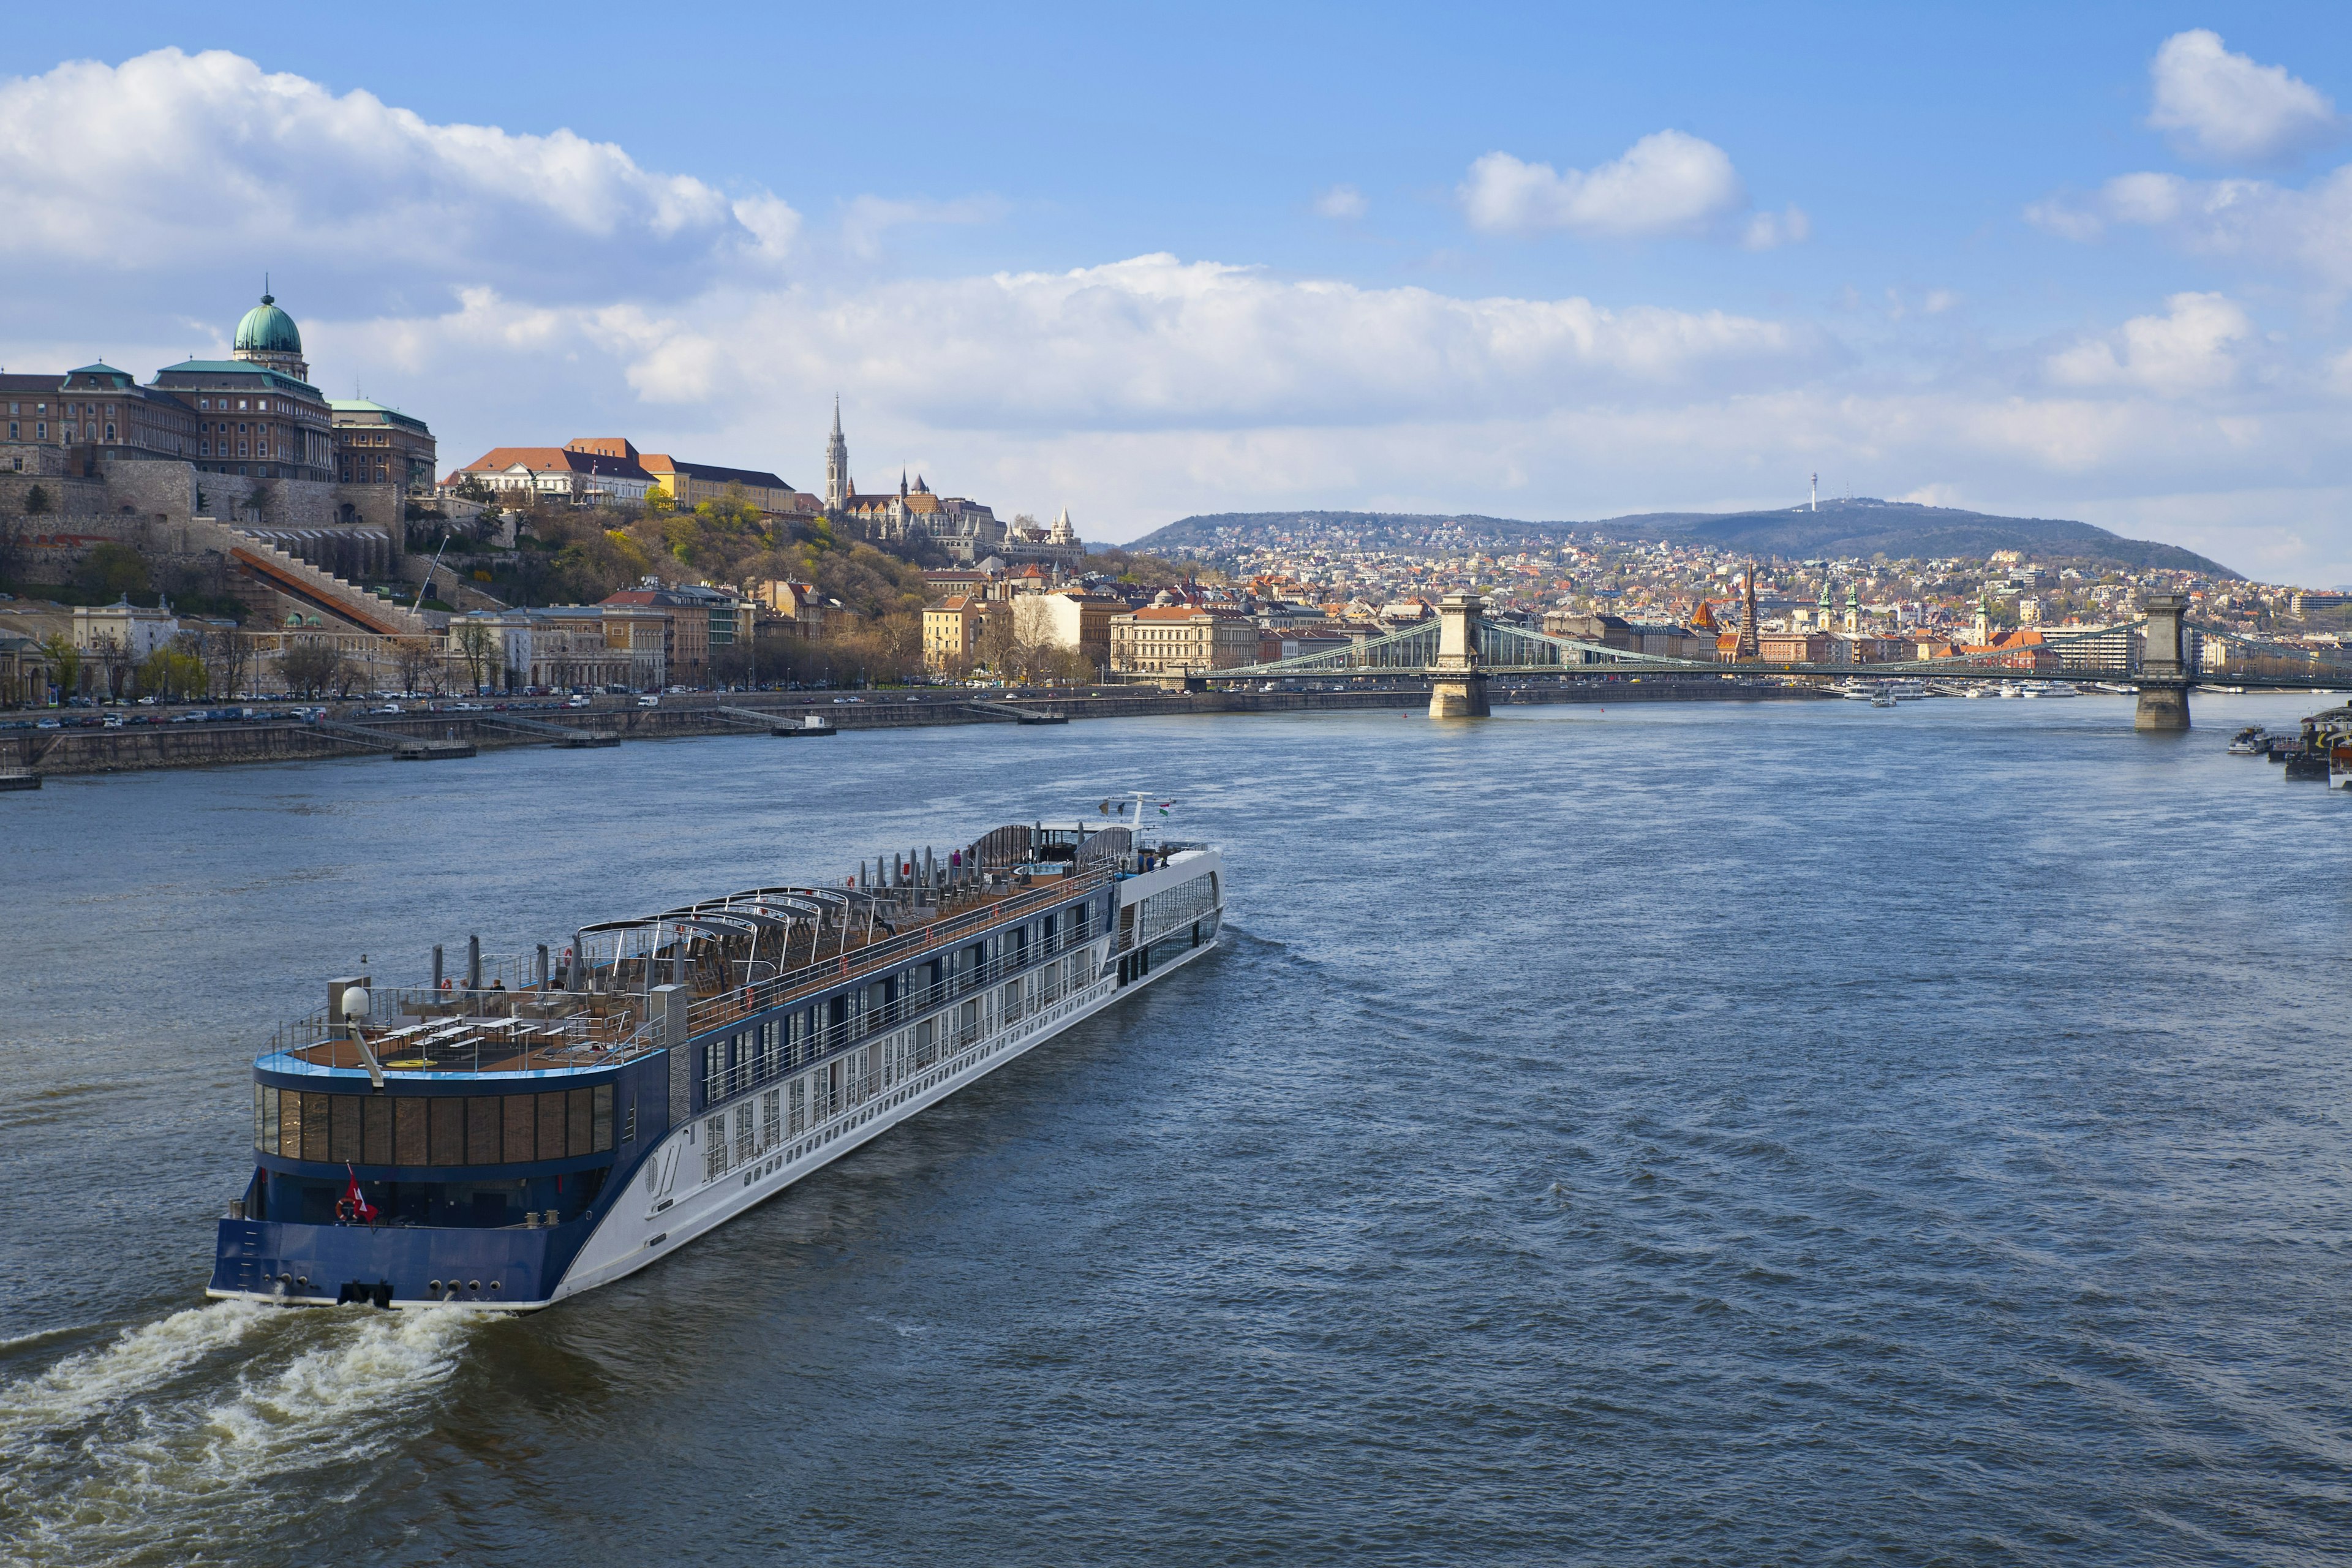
pixel 265 577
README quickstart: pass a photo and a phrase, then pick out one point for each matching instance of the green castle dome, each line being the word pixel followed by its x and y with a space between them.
pixel 267 330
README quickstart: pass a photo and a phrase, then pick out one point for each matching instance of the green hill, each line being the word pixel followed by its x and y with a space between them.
pixel 1855 526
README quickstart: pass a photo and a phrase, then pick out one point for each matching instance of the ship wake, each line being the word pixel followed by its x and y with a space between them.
pixel 156 1448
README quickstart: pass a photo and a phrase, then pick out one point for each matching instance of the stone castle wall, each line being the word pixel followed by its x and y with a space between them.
pixel 351 531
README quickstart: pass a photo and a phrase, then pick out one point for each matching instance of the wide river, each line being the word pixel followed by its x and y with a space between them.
pixel 1699 1133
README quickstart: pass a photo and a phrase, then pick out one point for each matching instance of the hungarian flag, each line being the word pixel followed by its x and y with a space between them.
pixel 362 1210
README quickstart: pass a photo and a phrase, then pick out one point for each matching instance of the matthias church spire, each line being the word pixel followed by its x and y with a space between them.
pixel 837 485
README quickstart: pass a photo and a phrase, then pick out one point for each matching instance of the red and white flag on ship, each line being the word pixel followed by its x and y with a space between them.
pixel 362 1210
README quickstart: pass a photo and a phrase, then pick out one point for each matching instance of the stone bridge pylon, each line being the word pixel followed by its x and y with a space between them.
pixel 1458 682
pixel 2163 673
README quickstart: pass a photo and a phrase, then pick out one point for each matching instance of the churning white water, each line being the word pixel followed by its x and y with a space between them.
pixel 131 1454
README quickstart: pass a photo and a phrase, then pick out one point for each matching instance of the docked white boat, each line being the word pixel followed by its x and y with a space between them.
pixel 1907 690
pixel 2039 688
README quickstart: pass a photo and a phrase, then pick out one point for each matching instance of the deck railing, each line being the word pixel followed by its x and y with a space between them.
pixel 610 1027
pixel 716 1012
pixel 790 1056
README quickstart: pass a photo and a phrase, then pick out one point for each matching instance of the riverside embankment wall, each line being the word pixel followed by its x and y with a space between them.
pixel 140 747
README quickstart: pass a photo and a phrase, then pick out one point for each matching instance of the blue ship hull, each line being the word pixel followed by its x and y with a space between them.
pixel 322 1265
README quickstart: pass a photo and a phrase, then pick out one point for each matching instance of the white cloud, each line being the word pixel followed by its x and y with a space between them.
pixel 1940 300
pixel 1155 343
pixel 177 155
pixel 2066 217
pixel 2224 106
pixel 870 218
pixel 2192 348
pixel 2306 231
pixel 1668 183
pixel 1768 231
pixel 1344 204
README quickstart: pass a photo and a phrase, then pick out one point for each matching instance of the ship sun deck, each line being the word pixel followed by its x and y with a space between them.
pixel 594 1006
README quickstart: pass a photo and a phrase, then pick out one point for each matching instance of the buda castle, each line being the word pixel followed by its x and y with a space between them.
pixel 247 441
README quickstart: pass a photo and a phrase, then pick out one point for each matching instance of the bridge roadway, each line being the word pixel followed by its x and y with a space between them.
pixel 1464 651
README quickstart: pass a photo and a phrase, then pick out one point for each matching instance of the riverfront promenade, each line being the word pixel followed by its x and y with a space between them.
pixel 355 733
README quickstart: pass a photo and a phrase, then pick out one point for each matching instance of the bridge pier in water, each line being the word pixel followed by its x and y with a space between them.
pixel 1458 686
pixel 2164 673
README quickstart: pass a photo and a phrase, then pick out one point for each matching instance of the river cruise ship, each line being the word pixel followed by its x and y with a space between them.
pixel 539 1124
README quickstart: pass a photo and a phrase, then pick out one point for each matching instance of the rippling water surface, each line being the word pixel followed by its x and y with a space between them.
pixel 1705 1133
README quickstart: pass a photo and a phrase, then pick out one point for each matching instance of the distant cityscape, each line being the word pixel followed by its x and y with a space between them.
pixel 227 529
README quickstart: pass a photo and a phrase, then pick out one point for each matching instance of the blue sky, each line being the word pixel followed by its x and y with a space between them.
pixel 1560 262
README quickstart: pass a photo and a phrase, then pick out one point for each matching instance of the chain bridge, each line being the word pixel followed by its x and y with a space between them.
pixel 1460 650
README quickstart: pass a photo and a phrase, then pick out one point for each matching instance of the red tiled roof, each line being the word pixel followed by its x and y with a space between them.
pixel 553 461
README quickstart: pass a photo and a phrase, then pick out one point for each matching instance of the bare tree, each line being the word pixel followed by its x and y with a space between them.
pixel 413 656
pixel 477 648
pixel 309 667
pixel 997 648
pixel 113 658
pixel 232 650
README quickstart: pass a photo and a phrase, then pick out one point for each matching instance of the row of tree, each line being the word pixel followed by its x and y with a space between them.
pixel 228 661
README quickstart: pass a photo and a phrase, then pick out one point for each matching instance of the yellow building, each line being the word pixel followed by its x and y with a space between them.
pixel 951 632
pixel 809 612
pixel 690 484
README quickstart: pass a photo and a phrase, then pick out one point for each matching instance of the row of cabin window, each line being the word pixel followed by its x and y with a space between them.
pixel 1179 905
pixel 754 1055
pixel 440 1130
pixel 755 1127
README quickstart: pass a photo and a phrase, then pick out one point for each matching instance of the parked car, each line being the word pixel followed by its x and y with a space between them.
pixel 577 702
pixel 648 701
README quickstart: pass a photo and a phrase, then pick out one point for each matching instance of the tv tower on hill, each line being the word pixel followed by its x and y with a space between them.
pixel 1817 492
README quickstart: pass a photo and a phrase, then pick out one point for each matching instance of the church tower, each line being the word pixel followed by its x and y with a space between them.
pixel 837 488
pixel 1748 646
